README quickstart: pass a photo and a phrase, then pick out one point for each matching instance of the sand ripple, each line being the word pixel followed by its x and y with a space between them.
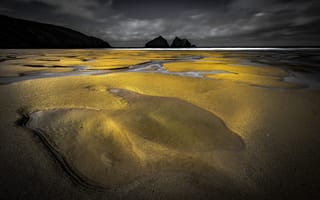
pixel 153 134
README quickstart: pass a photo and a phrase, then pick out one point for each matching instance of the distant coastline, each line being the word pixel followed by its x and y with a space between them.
pixel 20 33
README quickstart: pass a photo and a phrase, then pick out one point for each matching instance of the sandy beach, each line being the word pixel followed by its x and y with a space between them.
pixel 134 124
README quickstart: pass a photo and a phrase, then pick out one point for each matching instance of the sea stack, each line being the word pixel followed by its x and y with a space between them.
pixel 158 42
pixel 181 43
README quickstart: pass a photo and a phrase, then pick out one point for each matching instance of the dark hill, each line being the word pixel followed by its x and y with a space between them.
pixel 19 33
pixel 158 42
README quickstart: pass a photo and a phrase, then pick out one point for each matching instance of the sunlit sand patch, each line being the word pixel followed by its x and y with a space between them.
pixel 10 75
pixel 216 65
pixel 18 70
pixel 71 58
pixel 157 67
pixel 256 80
pixel 189 128
pixel 26 67
pixel 115 147
pixel 50 63
pixel 264 76
pixel 230 65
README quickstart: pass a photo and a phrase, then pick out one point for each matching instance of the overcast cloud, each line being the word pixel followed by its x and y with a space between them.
pixel 204 22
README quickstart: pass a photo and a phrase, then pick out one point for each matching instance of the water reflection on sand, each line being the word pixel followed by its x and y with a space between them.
pixel 299 67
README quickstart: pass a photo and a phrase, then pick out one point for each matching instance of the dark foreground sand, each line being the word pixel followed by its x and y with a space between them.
pixel 147 135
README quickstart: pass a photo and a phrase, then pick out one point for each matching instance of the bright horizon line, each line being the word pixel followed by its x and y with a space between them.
pixel 219 48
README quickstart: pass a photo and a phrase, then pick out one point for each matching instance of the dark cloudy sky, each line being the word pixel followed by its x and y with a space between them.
pixel 204 22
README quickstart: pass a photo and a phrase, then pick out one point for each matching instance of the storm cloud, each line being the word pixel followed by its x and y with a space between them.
pixel 205 23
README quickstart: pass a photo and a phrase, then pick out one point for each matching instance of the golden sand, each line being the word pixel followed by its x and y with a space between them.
pixel 183 137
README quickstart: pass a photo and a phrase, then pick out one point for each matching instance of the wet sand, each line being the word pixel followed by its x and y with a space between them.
pixel 157 125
